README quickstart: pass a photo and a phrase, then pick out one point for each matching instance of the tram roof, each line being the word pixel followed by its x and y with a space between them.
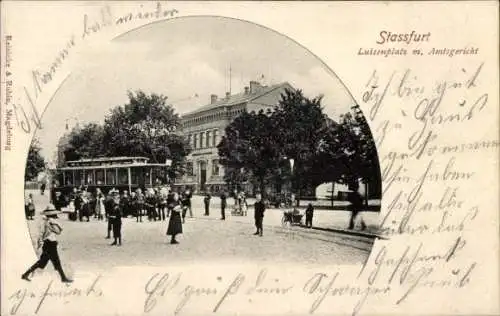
pixel 134 165
pixel 101 159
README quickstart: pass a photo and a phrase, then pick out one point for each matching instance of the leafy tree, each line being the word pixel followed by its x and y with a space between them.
pixel 258 146
pixel 362 153
pixel 85 142
pixel 235 177
pixel 146 126
pixel 302 125
pixel 249 145
pixel 35 162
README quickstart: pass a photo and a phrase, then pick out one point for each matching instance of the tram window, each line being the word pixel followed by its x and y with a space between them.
pixel 135 175
pixel 89 177
pixel 78 177
pixel 99 176
pixel 68 177
pixel 111 176
pixel 122 176
pixel 158 174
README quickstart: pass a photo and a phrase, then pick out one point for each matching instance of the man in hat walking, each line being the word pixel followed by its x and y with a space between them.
pixel 260 208
pixel 48 242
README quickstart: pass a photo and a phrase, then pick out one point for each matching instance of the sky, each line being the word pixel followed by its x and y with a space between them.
pixel 187 60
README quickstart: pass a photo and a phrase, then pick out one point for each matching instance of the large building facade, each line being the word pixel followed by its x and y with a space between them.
pixel 205 127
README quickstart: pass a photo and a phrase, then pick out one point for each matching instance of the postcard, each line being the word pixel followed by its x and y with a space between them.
pixel 249 158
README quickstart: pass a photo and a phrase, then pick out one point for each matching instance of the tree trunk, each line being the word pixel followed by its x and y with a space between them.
pixel 333 191
pixel 297 196
pixel 366 194
pixel 262 187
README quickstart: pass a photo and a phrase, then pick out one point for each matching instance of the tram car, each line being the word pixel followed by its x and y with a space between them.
pixel 121 173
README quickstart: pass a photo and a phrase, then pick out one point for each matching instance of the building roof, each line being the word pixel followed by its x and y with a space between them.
pixel 237 98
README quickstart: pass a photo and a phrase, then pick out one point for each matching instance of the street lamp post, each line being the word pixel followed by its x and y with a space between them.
pixel 292 162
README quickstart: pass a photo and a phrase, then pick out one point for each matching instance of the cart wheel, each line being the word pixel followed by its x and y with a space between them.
pixel 283 221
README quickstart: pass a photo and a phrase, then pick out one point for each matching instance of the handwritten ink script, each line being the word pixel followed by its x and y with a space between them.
pixel 446 104
pixel 26 114
pixel 408 270
pixel 163 287
pixel 427 173
pixel 24 298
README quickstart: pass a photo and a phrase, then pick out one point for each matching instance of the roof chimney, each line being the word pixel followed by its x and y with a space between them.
pixel 254 86
pixel 213 98
pixel 247 90
pixel 228 94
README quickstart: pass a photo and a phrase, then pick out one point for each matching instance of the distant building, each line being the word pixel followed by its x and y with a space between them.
pixel 205 127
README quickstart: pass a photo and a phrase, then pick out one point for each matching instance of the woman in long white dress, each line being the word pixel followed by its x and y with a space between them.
pixel 100 208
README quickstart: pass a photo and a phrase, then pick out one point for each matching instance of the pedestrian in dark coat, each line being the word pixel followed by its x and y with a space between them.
pixel 42 188
pixel 125 203
pixel 59 201
pixel 150 205
pixel 188 195
pixel 115 217
pixel 309 215
pixel 356 205
pixel 108 208
pixel 223 198
pixel 185 201
pixel 53 189
pixel 206 201
pixel 29 207
pixel 175 222
pixel 133 205
pixel 78 205
pixel 48 242
pixel 260 208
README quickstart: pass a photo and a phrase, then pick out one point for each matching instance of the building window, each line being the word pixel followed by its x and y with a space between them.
pixel 215 137
pixel 201 139
pixel 189 169
pixel 208 140
pixel 215 167
pixel 195 143
pixel 189 140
